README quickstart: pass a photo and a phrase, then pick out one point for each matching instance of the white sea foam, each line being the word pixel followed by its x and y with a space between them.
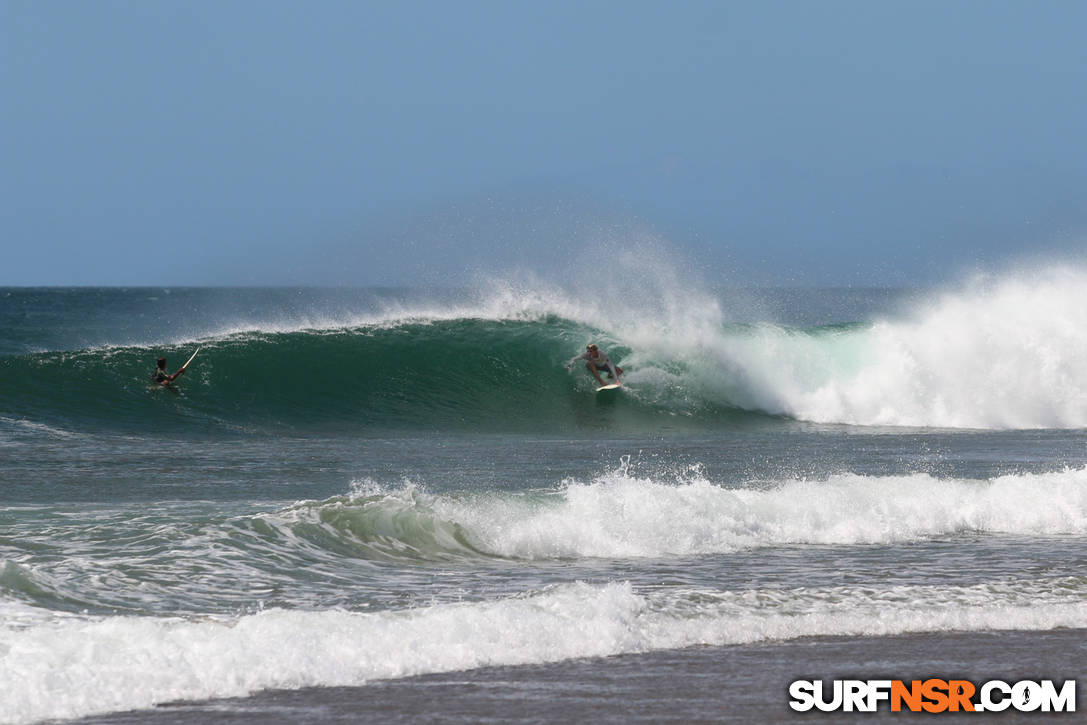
pixel 621 515
pixel 1003 353
pixel 72 666
pixel 22 424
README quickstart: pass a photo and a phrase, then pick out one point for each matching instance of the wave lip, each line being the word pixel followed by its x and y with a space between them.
pixel 74 666
pixel 372 523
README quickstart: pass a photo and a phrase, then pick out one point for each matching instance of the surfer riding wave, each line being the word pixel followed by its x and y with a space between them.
pixel 597 361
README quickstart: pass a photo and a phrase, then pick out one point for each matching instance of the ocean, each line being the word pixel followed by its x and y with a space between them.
pixel 396 505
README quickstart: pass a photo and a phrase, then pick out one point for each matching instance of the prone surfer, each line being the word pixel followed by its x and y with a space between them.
pixel 162 377
pixel 597 361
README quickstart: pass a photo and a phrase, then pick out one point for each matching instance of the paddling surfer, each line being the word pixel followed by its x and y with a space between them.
pixel 597 361
pixel 162 377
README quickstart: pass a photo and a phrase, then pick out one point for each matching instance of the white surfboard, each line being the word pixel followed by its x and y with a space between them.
pixel 612 386
pixel 188 361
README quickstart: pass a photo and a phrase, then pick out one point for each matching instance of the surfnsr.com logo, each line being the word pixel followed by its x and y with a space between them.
pixel 933 695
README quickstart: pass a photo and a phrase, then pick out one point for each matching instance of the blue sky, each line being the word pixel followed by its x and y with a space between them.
pixel 418 142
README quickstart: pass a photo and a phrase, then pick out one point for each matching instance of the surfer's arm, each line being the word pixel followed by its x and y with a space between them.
pixel 574 359
pixel 596 374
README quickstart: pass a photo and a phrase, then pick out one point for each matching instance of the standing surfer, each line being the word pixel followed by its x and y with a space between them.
pixel 597 361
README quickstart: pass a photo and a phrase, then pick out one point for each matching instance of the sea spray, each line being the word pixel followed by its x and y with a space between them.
pixel 1001 353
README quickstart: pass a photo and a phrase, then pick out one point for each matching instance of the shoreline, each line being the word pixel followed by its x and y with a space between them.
pixel 729 684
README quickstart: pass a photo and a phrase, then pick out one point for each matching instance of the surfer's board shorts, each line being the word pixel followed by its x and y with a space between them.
pixel 604 369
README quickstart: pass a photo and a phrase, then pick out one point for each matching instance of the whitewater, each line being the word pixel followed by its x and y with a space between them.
pixel 353 487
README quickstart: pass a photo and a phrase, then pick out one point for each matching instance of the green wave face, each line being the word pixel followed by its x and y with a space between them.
pixel 456 375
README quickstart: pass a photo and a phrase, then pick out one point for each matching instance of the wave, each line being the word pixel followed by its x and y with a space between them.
pixel 460 374
pixel 620 515
pixel 127 559
pixel 998 353
pixel 76 665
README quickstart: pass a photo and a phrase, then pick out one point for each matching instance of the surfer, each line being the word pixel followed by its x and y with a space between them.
pixel 597 361
pixel 162 377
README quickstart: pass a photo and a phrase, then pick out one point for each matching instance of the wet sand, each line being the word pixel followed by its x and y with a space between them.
pixel 737 684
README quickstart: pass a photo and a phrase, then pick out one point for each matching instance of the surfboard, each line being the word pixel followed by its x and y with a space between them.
pixel 612 386
pixel 188 361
